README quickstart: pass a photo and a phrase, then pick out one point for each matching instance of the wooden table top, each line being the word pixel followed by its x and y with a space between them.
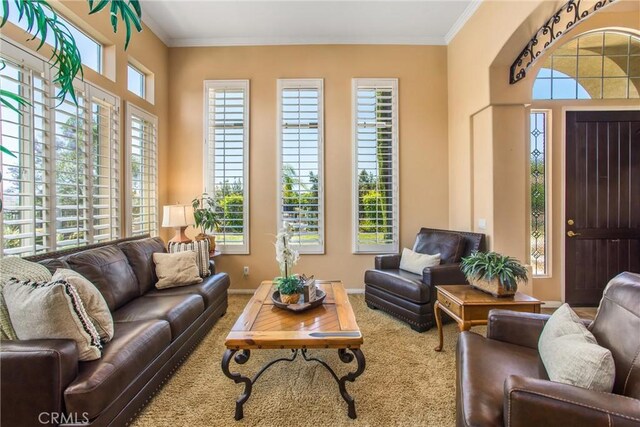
pixel 468 295
pixel 263 325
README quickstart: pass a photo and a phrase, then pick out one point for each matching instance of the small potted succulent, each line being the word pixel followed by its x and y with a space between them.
pixel 288 284
pixel 206 219
pixel 493 273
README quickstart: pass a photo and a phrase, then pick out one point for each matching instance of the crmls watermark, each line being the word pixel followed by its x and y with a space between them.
pixel 55 418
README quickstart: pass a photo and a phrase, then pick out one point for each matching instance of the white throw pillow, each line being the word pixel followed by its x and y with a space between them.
pixel 179 269
pixel 201 248
pixel 51 310
pixel 415 262
pixel 571 354
pixel 93 301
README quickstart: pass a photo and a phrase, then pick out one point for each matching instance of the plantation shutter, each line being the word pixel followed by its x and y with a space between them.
pixel 300 190
pixel 49 198
pixel 376 165
pixel 227 141
pixel 142 136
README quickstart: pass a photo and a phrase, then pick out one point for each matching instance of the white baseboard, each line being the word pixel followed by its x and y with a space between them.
pixel 252 291
pixel 551 304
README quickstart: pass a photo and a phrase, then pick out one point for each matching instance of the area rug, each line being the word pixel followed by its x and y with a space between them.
pixel 406 383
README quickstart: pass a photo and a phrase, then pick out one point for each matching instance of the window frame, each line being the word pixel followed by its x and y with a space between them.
pixel 130 110
pixel 547 195
pixel 392 248
pixel 143 82
pixel 243 84
pixel 317 84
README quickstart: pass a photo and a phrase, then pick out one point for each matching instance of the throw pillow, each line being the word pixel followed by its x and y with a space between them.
pixel 93 301
pixel 201 248
pixel 15 267
pixel 51 310
pixel 414 262
pixel 571 354
pixel 179 269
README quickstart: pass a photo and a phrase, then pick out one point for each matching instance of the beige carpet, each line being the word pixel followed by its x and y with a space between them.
pixel 405 382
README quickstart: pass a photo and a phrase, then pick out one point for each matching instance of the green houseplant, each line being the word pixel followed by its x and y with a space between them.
pixel 206 219
pixel 494 273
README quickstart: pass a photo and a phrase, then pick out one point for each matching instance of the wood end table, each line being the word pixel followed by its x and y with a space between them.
pixel 262 325
pixel 470 307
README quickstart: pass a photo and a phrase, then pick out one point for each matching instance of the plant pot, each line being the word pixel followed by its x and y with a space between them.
pixel 493 287
pixel 290 298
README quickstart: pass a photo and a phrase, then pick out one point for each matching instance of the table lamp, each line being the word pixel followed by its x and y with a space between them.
pixel 178 217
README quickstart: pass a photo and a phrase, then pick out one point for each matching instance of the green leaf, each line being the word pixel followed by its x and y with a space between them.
pixel 5 12
pixel 5 150
pixel 101 5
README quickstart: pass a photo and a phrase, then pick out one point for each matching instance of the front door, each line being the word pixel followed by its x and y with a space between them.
pixel 602 229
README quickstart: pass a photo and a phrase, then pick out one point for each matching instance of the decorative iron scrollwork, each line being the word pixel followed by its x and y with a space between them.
pixel 562 21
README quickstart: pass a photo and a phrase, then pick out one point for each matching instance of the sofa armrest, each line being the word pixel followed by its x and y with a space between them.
pixel 536 402
pixel 34 375
pixel 443 274
pixel 387 262
pixel 514 327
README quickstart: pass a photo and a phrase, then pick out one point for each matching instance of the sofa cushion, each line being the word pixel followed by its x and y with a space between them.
pixel 107 268
pixel 179 310
pixel 483 366
pixel 140 256
pixel 399 282
pixel 450 246
pixel 210 289
pixel 134 346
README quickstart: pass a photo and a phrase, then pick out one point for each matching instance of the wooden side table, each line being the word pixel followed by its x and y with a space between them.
pixel 470 307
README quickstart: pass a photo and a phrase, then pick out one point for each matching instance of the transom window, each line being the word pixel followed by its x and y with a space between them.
pixel 596 65
pixel 136 81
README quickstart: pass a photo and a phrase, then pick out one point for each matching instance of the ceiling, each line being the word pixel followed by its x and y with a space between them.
pixel 266 22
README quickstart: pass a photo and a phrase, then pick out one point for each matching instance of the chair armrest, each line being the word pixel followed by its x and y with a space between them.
pixel 444 274
pixel 536 402
pixel 387 262
pixel 514 327
pixel 34 375
pixel 212 267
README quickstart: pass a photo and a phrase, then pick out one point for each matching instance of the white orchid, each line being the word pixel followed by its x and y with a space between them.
pixel 285 256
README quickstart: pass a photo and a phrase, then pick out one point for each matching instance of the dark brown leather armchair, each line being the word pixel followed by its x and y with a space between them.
pixel 501 380
pixel 410 297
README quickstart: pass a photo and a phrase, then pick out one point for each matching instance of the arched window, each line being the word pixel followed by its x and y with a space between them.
pixel 596 65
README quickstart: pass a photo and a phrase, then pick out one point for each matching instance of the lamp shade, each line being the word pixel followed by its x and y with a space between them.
pixel 177 216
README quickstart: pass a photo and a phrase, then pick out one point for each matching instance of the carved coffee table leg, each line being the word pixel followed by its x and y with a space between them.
pixel 351 376
pixel 237 378
pixel 438 315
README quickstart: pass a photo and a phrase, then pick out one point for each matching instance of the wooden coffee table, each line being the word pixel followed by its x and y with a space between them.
pixel 265 326
pixel 470 307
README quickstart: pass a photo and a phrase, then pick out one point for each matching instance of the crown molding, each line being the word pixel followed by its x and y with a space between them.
pixel 156 29
pixel 462 20
pixel 279 41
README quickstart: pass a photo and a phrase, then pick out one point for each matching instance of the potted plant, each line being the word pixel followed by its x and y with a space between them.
pixel 493 273
pixel 206 219
pixel 288 284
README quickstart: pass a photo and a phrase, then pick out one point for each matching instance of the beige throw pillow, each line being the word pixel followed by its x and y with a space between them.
pixel 179 269
pixel 571 354
pixel 93 301
pixel 51 310
pixel 415 262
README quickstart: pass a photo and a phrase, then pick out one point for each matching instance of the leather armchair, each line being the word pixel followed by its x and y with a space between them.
pixel 410 297
pixel 501 380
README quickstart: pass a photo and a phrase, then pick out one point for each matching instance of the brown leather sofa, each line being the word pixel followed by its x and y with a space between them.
pixel 501 380
pixel 42 381
pixel 410 297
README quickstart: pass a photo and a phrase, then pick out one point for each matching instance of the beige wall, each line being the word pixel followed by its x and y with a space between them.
pixel 489 98
pixel 422 74
pixel 145 48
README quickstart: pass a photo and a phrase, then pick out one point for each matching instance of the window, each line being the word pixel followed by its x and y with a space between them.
pixel 376 219
pixel 62 188
pixel 142 167
pixel 135 81
pixel 227 160
pixel 596 65
pixel 539 192
pixel 90 50
pixel 300 189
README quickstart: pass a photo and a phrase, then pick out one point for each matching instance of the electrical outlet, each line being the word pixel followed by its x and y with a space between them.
pixel 245 270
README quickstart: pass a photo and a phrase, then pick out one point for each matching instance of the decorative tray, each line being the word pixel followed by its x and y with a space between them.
pixel 300 306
